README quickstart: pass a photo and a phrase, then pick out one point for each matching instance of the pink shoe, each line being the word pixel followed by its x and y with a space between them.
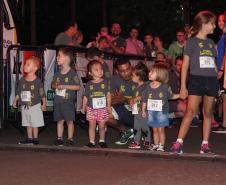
pixel 214 123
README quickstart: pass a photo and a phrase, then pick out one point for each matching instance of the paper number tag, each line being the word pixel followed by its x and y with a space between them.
pixel 26 96
pixel 154 105
pixel 135 109
pixel 61 92
pixel 206 62
pixel 99 103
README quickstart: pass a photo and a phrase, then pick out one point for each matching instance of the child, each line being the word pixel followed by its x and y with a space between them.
pixel 199 56
pixel 65 82
pixel 155 99
pixel 139 76
pixel 30 93
pixel 96 103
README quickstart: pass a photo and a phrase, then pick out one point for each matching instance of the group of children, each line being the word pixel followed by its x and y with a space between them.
pixel 149 103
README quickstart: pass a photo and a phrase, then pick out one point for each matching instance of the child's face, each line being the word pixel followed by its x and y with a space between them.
pixel 97 71
pixel 30 67
pixel 135 78
pixel 209 27
pixel 152 75
pixel 62 59
pixel 160 57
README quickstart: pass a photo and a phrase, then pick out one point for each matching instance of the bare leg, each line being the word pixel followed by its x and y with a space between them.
pixel 29 133
pixel 224 110
pixel 162 136
pixel 60 129
pixel 35 132
pixel 192 110
pixel 102 126
pixel 92 129
pixel 207 116
pixel 70 129
pixel 155 136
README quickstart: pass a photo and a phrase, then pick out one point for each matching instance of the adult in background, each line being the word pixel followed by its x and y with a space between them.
pixel 68 37
pixel 133 45
pixel 122 90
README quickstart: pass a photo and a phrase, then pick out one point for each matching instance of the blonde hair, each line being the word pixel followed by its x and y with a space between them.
pixel 36 61
pixel 162 73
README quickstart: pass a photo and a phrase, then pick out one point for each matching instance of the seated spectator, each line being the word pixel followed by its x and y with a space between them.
pixel 122 90
pixel 158 45
pixel 79 39
pixel 68 36
pixel 177 47
pixel 104 32
pixel 103 44
pixel 117 43
pixel 133 45
pixel 149 50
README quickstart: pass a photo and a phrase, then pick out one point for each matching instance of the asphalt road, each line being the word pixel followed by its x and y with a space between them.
pixel 31 168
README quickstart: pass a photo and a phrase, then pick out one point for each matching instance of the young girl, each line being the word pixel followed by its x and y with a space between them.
pixel 199 56
pixel 30 93
pixel 65 82
pixel 155 99
pixel 96 102
pixel 140 77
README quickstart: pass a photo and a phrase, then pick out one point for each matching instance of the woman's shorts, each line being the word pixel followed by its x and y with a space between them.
pixel 98 115
pixel 158 119
pixel 203 86
pixel 32 116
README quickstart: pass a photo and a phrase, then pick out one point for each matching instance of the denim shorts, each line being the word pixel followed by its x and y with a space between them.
pixel 157 119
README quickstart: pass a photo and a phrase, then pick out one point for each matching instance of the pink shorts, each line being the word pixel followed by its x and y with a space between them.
pixel 99 115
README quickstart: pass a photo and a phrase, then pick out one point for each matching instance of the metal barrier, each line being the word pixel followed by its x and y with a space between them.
pixel 16 56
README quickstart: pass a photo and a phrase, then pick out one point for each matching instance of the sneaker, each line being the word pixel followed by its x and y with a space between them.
pixel 177 148
pixel 70 142
pixel 215 124
pixel 59 142
pixel 126 136
pixel 27 141
pixel 205 149
pixel 160 148
pixel 102 144
pixel 153 147
pixel 90 145
pixel 134 145
pixel 195 122
pixel 35 141
pixel 219 130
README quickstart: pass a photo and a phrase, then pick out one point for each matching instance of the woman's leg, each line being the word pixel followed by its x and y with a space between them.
pixel 192 110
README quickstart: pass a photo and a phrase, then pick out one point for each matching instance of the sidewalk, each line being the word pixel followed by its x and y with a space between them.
pixel 10 136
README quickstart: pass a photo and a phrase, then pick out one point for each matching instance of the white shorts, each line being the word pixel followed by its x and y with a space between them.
pixel 32 117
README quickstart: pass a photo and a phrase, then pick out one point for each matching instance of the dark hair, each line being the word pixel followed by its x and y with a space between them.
pixel 93 52
pixel 69 24
pixel 89 68
pixel 102 38
pixel 202 17
pixel 141 71
pixel 148 33
pixel 121 61
pixel 67 51
pixel 181 30
pixel 178 58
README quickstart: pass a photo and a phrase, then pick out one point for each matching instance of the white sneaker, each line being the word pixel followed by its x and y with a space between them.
pixel 154 147
pixel 161 148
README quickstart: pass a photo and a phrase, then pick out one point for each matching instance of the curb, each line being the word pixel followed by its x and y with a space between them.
pixel 109 152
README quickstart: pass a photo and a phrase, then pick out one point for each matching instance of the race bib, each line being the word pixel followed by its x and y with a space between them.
pixel 206 62
pixel 61 92
pixel 99 103
pixel 25 96
pixel 135 109
pixel 154 105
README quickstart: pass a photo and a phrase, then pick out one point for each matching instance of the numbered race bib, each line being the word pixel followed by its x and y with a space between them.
pixel 99 103
pixel 61 92
pixel 25 96
pixel 206 62
pixel 135 109
pixel 154 105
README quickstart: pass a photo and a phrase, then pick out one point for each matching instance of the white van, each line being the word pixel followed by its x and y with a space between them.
pixel 9 29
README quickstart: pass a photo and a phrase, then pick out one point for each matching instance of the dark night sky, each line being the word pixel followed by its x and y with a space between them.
pixel 155 16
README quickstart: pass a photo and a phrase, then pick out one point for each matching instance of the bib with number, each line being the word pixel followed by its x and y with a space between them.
pixel 154 105
pixel 206 62
pixel 61 92
pixel 25 96
pixel 135 109
pixel 99 103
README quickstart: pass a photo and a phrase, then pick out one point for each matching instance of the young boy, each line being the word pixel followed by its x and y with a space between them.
pixel 30 93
